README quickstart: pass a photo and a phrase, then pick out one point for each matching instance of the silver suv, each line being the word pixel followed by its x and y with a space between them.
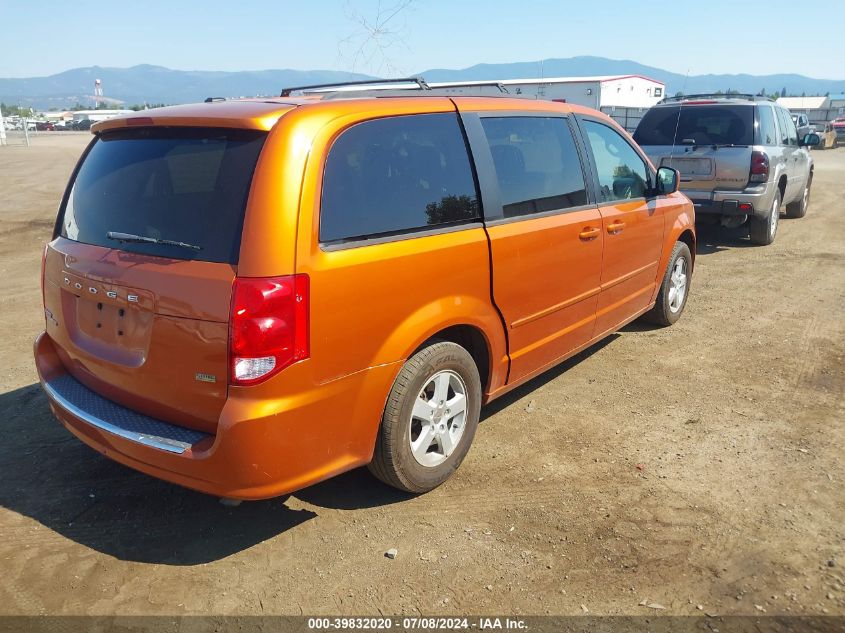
pixel 740 158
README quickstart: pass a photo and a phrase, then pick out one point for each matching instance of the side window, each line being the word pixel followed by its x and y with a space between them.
pixel 766 130
pixel 537 164
pixel 789 135
pixel 658 92
pixel 621 172
pixel 396 175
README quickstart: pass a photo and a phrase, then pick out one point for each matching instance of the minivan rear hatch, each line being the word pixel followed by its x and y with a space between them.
pixel 138 281
pixel 710 144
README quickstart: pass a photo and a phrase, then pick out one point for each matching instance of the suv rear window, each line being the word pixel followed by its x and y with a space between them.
pixel 702 124
pixel 184 185
pixel 395 175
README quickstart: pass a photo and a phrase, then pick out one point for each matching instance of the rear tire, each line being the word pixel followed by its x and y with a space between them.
pixel 798 209
pixel 674 289
pixel 436 395
pixel 763 231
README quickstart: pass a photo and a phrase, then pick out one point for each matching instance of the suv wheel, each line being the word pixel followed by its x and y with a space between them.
pixel 798 209
pixel 674 289
pixel 429 420
pixel 763 230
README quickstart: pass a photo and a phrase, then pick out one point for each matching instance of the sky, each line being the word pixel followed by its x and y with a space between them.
pixel 699 37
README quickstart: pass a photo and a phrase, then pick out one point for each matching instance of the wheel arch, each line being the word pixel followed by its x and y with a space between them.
pixel 782 186
pixel 687 236
pixel 474 341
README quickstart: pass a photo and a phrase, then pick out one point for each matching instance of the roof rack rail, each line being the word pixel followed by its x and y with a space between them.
pixel 432 91
pixel 717 95
pixel 421 84
pixel 471 84
pixel 213 99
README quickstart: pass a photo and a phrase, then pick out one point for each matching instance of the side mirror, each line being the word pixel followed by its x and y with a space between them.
pixel 668 180
pixel 810 140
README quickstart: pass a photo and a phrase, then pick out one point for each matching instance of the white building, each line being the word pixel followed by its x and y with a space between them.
pixel 605 91
pixel 98 115
pixel 837 104
pixel 817 109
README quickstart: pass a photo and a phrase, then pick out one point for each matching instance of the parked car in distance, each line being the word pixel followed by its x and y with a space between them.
pixel 83 124
pixel 802 124
pixel 248 297
pixel 827 136
pixel 839 127
pixel 44 126
pixel 740 158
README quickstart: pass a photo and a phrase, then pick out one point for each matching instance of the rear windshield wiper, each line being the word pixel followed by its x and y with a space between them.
pixel 143 239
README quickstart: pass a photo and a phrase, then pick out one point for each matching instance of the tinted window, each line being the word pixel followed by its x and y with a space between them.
pixel 699 124
pixel 397 174
pixel 766 130
pixel 187 186
pixel 537 164
pixel 621 172
pixel 789 135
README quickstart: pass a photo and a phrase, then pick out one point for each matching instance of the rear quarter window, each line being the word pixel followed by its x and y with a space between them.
pixel 397 175
pixel 184 185
pixel 766 130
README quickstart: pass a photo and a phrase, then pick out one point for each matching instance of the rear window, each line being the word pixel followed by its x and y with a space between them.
pixel 397 175
pixel 699 124
pixel 180 185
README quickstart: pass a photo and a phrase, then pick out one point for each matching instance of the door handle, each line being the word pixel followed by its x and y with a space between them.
pixel 589 233
pixel 615 227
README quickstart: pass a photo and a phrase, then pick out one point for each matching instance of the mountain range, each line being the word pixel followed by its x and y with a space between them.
pixel 156 84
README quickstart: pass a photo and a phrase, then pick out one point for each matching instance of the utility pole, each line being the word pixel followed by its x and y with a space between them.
pixel 2 130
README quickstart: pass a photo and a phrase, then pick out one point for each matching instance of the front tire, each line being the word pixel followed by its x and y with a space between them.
pixel 674 289
pixel 798 209
pixel 429 420
pixel 763 231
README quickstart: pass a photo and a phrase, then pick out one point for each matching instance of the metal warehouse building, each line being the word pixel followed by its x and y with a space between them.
pixel 627 91
pixel 623 97
pixel 817 109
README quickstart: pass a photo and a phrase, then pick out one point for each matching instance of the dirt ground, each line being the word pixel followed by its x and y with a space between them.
pixel 697 468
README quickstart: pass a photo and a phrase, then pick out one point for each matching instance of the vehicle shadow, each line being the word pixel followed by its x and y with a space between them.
pixel 56 480
pixel 712 238
pixel 535 383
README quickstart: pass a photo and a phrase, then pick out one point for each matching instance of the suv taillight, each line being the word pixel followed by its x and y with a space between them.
pixel 759 167
pixel 268 327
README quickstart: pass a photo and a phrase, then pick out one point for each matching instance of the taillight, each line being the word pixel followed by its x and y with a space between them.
pixel 268 327
pixel 759 167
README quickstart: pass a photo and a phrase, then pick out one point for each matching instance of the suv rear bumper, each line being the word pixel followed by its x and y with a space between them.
pixel 727 203
pixel 263 447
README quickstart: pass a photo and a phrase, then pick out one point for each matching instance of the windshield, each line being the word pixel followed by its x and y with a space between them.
pixel 173 187
pixel 697 124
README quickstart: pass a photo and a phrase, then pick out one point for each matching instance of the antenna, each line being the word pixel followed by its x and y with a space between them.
pixel 678 121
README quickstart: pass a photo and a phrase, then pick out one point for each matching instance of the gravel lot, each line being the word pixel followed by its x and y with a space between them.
pixel 697 468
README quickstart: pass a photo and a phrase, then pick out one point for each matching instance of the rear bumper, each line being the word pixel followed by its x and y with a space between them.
pixel 729 203
pixel 262 448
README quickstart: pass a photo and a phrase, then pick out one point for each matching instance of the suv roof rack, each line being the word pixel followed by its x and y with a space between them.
pixel 716 95
pixel 421 85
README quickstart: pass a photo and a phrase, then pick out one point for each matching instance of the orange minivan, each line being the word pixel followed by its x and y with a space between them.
pixel 247 297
